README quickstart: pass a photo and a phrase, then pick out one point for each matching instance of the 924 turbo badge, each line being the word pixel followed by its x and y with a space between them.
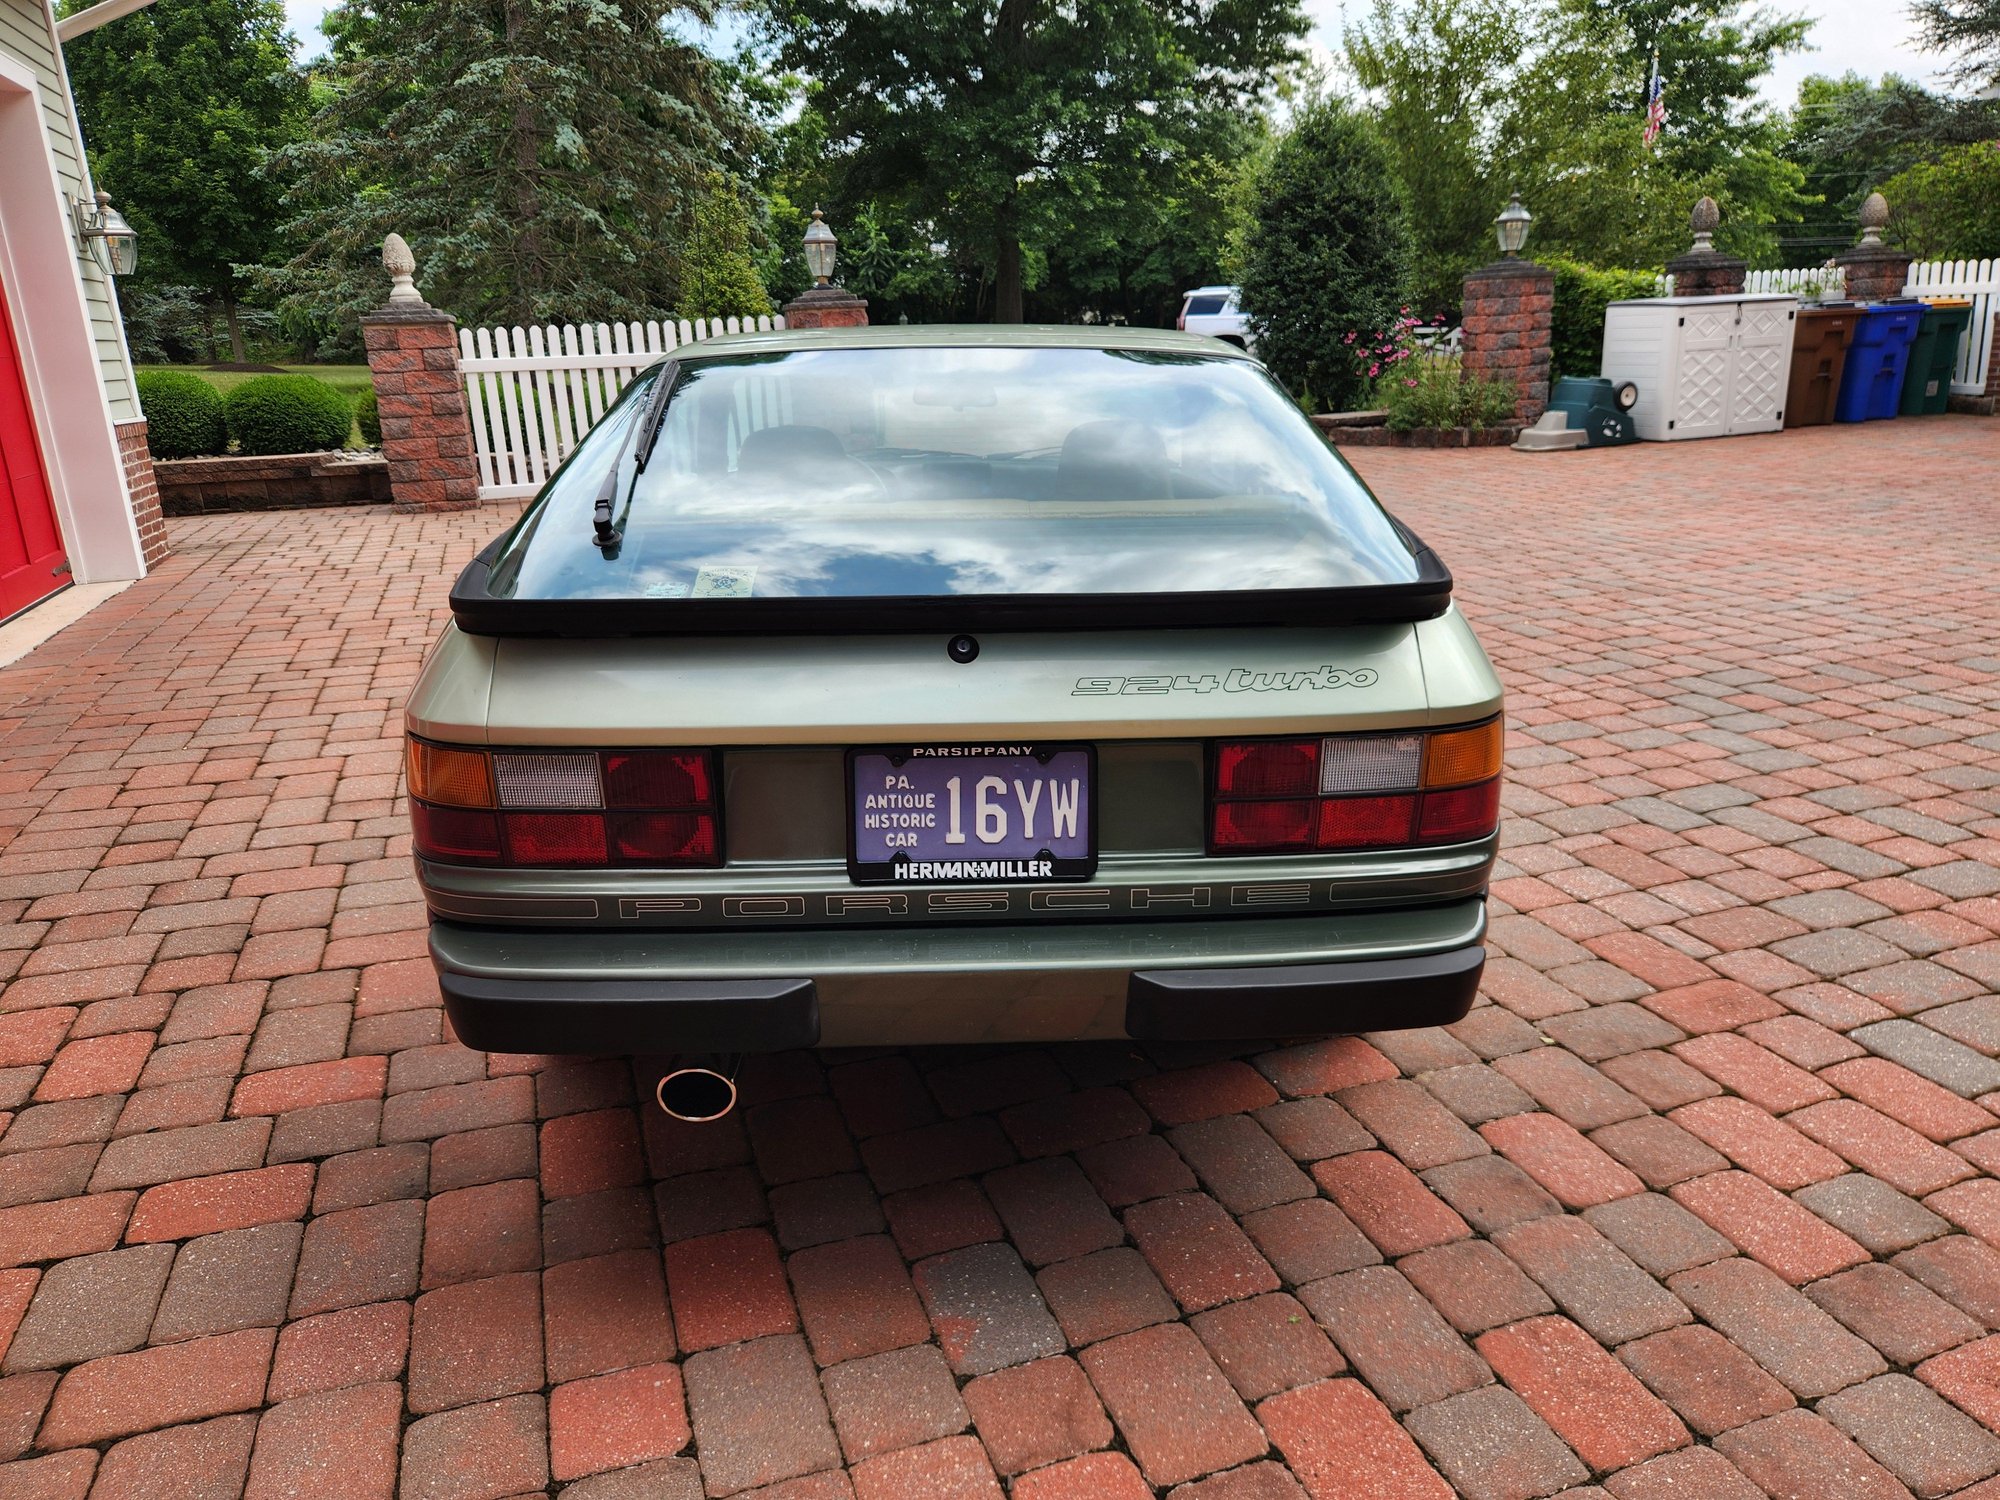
pixel 1235 680
pixel 964 814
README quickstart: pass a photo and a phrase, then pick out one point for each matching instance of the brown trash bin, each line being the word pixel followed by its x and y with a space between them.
pixel 1819 354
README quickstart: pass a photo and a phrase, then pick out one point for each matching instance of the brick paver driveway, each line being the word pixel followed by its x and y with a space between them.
pixel 1699 1203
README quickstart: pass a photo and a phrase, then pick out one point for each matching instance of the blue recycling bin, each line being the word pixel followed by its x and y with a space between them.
pixel 1871 386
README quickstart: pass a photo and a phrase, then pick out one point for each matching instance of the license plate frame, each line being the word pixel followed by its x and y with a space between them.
pixel 1069 866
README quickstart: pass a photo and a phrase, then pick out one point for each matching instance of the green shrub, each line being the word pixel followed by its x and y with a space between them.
pixel 1581 295
pixel 183 414
pixel 368 417
pixel 1432 390
pixel 1327 255
pixel 287 414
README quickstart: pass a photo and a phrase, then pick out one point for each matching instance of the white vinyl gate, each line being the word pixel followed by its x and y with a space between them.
pixel 532 393
pixel 1978 281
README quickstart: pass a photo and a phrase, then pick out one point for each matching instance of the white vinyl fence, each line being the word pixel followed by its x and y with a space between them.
pixel 1978 281
pixel 532 393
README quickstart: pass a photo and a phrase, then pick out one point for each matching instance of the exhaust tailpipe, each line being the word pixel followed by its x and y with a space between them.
pixel 696 1093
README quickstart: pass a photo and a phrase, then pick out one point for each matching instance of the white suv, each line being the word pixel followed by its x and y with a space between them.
pixel 1214 310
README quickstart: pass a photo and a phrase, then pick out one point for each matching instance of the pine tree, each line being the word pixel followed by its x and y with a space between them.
pixel 542 157
pixel 718 279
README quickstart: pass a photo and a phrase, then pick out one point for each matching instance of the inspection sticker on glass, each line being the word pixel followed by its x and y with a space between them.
pixel 718 582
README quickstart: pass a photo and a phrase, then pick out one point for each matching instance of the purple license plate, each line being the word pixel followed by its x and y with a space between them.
pixel 978 814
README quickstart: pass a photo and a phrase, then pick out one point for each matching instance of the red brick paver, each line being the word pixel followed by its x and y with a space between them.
pixel 1699 1201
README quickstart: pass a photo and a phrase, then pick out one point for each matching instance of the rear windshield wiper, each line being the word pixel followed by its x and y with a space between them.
pixel 645 435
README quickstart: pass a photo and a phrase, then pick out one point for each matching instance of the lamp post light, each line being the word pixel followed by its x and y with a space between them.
pixel 111 241
pixel 820 249
pixel 1512 227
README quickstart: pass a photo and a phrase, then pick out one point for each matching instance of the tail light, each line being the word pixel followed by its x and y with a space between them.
pixel 1355 791
pixel 564 808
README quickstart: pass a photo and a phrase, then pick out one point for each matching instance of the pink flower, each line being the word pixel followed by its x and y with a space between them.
pixel 1374 369
pixel 1410 383
pixel 1348 340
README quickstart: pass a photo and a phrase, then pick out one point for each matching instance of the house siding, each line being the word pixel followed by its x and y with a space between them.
pixel 27 32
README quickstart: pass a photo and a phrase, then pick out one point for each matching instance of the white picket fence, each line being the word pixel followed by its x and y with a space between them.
pixel 532 393
pixel 1976 280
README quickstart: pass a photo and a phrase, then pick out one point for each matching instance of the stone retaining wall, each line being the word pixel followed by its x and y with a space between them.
pixel 285 481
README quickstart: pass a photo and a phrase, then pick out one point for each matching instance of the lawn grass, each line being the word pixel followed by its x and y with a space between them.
pixel 349 380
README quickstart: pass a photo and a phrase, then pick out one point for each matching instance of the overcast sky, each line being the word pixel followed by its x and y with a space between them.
pixel 1871 37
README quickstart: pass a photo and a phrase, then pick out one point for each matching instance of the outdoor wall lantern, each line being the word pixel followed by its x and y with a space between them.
pixel 1512 226
pixel 112 243
pixel 820 245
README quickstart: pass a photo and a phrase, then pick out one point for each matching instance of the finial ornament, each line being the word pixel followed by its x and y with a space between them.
pixel 401 266
pixel 1703 221
pixel 1874 218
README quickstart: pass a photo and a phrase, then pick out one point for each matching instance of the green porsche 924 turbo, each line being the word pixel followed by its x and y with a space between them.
pixel 884 686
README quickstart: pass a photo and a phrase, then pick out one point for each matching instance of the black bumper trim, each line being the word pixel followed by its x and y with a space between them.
pixel 1392 994
pixel 621 1016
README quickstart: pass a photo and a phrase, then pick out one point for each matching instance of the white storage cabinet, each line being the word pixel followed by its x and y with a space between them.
pixel 1705 366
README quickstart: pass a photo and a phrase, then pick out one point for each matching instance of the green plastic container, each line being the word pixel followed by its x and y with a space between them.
pixel 1934 355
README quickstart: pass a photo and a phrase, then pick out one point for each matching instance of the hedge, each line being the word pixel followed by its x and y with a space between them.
pixel 1581 295
pixel 368 417
pixel 287 414
pixel 183 414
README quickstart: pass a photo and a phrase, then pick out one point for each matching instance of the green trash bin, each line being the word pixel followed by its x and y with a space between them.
pixel 1934 355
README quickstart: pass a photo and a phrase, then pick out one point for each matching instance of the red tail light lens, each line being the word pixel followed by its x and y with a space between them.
pixel 1267 768
pixel 1264 827
pixel 555 838
pixel 663 838
pixel 564 808
pixel 454 835
pixel 1365 822
pixel 1466 812
pixel 655 778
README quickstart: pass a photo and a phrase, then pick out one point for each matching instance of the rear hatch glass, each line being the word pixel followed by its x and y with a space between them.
pixel 870 484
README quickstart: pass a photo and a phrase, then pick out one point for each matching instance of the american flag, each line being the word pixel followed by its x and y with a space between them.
pixel 1656 104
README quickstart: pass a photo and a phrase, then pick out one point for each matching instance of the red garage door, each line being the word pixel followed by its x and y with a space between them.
pixel 31 548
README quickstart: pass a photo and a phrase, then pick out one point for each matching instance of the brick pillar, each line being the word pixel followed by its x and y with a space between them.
pixel 1707 273
pixel 142 484
pixel 1993 360
pixel 413 364
pixel 1507 313
pixel 826 307
pixel 1874 271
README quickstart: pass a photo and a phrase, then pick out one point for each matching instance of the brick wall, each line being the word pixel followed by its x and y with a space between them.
pixel 137 458
pixel 1508 310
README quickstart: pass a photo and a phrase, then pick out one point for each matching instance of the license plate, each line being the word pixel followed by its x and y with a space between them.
pixel 972 814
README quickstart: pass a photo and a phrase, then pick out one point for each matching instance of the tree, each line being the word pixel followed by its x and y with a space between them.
pixel 1479 98
pixel 1328 254
pixel 1969 28
pixel 718 279
pixel 1948 209
pixel 544 159
pixel 1009 126
pixel 183 106
pixel 1850 136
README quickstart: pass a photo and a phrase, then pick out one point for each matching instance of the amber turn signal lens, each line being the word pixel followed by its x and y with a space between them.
pixel 451 778
pixel 1460 756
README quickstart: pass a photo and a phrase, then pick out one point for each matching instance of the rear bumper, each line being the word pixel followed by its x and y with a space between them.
pixel 590 992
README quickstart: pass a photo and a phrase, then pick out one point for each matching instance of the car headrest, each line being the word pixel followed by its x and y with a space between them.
pixel 1113 460
pixel 771 449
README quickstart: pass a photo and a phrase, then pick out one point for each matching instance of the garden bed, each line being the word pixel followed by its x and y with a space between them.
pixel 284 481
pixel 1370 429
